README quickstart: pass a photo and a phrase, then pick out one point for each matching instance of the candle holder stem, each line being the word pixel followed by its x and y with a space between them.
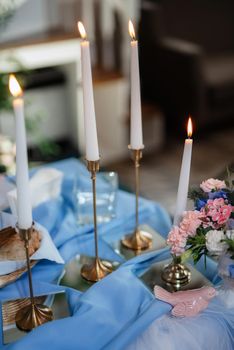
pixel 26 245
pixel 93 177
pixel 97 269
pixel 137 240
pixel 137 184
pixel 32 315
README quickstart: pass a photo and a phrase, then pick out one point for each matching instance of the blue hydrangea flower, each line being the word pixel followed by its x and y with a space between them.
pixel 200 203
pixel 231 270
pixel 217 194
pixel 230 224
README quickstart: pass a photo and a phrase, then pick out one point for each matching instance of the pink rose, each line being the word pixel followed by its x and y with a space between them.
pixel 213 206
pixel 218 202
pixel 212 184
pixel 216 213
pixel 224 214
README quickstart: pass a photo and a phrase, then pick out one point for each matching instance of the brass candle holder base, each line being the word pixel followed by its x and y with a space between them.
pixel 139 240
pixel 32 316
pixel 95 271
pixel 176 274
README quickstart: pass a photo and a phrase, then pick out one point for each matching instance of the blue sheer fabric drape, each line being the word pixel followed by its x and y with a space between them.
pixel 115 311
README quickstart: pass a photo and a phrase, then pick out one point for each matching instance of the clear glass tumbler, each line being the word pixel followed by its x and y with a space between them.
pixel 106 191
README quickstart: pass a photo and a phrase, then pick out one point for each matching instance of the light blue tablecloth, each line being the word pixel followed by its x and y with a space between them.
pixel 113 312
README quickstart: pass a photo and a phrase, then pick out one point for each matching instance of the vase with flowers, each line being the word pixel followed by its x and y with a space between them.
pixel 209 228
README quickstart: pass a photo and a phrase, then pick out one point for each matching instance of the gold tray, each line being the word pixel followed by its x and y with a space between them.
pixel 56 300
pixel 10 308
pixel 158 242
pixel 152 277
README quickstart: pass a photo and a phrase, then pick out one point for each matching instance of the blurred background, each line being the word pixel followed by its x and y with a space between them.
pixel 186 50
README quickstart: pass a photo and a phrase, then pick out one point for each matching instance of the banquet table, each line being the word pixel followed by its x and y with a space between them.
pixel 120 311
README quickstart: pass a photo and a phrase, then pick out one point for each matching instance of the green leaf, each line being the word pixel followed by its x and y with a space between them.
pixel 230 197
pixel 230 243
pixel 196 193
pixel 186 256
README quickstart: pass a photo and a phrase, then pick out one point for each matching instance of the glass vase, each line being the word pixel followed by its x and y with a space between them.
pixel 226 289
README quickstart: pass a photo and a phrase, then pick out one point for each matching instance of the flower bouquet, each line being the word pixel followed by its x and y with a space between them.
pixel 209 229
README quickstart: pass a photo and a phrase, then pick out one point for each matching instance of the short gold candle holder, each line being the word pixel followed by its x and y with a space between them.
pixel 176 274
pixel 32 315
pixel 98 269
pixel 139 239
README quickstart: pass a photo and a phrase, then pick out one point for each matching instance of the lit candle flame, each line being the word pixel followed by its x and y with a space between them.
pixel 14 86
pixel 82 31
pixel 189 128
pixel 131 30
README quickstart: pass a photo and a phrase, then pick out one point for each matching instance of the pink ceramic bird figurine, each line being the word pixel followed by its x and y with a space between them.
pixel 186 303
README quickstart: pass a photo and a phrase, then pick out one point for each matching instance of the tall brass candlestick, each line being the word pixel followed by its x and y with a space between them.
pixel 32 315
pixel 97 269
pixel 138 240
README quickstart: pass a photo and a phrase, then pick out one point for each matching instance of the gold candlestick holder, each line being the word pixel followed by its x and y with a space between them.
pixel 32 315
pixel 176 274
pixel 98 269
pixel 139 239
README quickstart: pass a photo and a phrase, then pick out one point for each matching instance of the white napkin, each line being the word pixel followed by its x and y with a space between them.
pixel 5 187
pixel 47 248
pixel 45 184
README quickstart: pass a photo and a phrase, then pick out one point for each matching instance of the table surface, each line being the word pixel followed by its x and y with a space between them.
pixel 120 308
pixel 40 38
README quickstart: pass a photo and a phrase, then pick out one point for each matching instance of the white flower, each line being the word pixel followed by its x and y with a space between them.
pixel 213 241
pixel 230 234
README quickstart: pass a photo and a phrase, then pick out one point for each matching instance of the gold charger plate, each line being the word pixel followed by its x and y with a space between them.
pixel 13 276
pixel 7 236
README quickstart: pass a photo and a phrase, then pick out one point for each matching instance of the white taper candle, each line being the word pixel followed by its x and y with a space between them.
pixel 136 136
pixel 182 194
pixel 24 208
pixel 91 141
